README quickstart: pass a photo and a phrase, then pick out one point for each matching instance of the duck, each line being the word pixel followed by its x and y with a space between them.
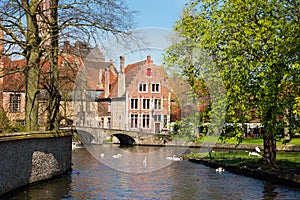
pixel 220 169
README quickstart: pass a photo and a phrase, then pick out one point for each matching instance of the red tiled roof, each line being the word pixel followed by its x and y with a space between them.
pixel 13 81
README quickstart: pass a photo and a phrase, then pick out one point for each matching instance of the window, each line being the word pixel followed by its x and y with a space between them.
pixel 157 118
pixel 109 107
pixel 146 121
pixel 165 120
pixel 102 122
pixel 157 104
pixel 146 104
pixel 155 87
pixel 108 122
pixel 15 103
pixel 21 122
pixel 134 120
pixel 142 87
pixel 134 104
pixel 149 72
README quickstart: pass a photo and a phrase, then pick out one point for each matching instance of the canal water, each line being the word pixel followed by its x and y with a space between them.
pixel 93 178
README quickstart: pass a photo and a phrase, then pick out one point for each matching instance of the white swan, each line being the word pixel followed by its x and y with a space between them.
pixel 253 154
pixel 257 149
pixel 117 156
pixel 170 158
pixel 220 169
pixel 177 158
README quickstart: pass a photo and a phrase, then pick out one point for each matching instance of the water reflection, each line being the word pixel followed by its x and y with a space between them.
pixel 131 159
pixel 91 179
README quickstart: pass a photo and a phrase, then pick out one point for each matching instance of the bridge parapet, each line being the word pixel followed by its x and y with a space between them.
pixel 96 135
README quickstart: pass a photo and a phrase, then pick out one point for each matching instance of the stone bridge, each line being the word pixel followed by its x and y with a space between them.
pixel 95 135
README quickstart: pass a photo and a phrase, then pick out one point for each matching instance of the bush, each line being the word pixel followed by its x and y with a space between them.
pixel 4 121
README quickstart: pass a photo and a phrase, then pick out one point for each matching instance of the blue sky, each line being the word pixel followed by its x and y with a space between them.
pixel 157 13
pixel 155 19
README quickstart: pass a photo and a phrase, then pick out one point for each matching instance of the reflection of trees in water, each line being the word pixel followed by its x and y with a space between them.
pixel 138 149
pixel 269 192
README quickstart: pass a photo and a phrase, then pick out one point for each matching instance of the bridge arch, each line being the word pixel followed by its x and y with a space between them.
pixel 124 139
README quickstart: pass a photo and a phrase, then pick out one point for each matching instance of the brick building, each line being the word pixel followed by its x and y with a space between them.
pixel 140 98
pixel 71 61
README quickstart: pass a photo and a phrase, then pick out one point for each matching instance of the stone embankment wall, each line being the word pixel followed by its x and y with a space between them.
pixel 26 158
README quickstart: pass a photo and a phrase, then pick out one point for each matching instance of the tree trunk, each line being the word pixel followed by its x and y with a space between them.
pixel 31 96
pixel 270 130
pixel 32 68
pixel 269 156
pixel 55 97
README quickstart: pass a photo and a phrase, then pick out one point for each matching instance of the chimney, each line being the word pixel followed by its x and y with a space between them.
pixel 121 78
pixel 122 62
pixel 100 85
pixel 106 89
pixel 149 61
pixel 66 47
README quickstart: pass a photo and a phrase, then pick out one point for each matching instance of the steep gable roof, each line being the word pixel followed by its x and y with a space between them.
pixel 13 81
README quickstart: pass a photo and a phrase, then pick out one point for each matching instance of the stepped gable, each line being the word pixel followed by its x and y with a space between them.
pixel 97 64
pixel 80 49
pixel 130 73
pixel 95 54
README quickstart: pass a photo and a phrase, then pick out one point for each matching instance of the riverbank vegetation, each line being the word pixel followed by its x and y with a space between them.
pixel 286 169
pixel 253 47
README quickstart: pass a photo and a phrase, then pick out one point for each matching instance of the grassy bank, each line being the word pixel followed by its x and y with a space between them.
pixel 286 171
pixel 236 157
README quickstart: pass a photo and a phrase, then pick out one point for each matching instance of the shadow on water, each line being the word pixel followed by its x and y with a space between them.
pixel 54 189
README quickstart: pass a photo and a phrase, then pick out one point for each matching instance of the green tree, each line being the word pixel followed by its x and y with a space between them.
pixel 255 46
pixel 4 121
pixel 34 28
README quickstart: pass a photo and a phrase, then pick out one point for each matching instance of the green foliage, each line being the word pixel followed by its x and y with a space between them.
pixel 232 134
pixel 185 129
pixel 4 121
pixel 7 126
pixel 17 127
pixel 296 108
pixel 255 47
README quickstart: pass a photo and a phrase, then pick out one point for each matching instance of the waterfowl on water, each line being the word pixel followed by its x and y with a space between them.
pixel 117 156
pixel 253 154
pixel 220 169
